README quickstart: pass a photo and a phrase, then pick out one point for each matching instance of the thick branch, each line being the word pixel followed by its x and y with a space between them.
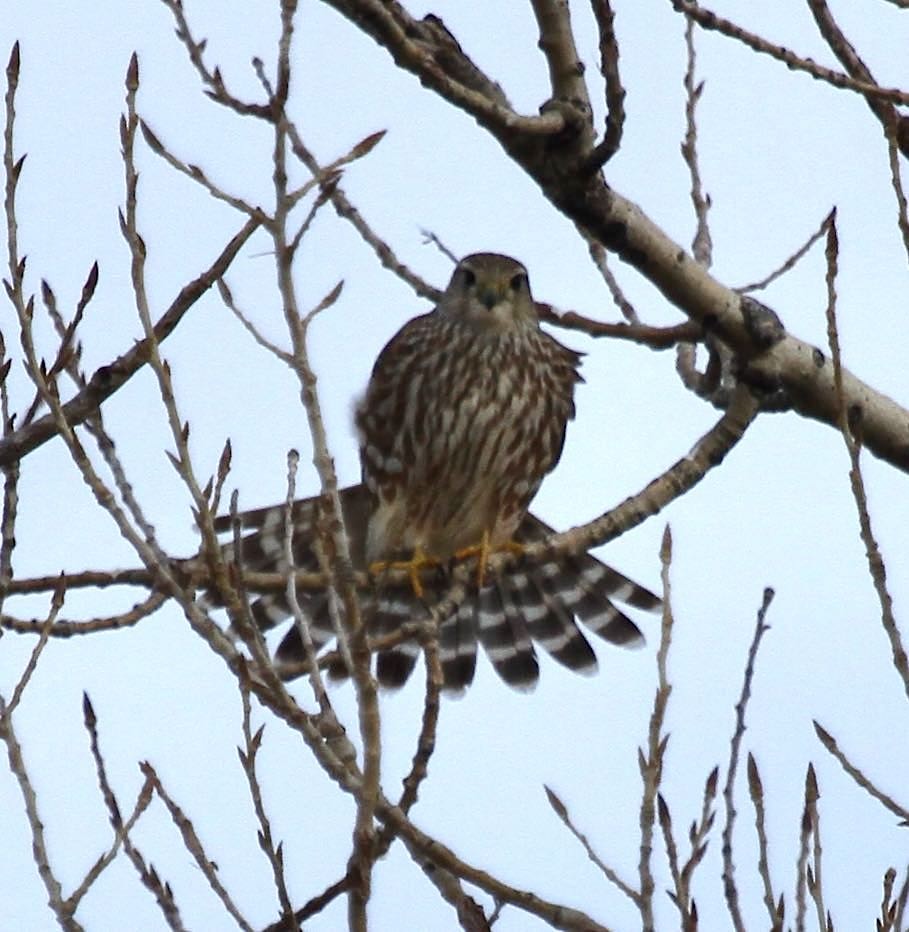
pixel 803 371
pixel 769 357
pixel 440 65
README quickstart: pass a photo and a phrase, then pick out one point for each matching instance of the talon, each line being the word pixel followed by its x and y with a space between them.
pixel 417 562
pixel 483 551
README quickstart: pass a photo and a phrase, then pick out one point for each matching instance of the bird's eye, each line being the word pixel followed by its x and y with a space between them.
pixel 469 277
pixel 518 281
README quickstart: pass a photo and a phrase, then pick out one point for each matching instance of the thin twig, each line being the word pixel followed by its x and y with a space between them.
pixel 148 876
pixel 600 258
pixel 340 563
pixel 194 846
pixel 756 792
pixel 657 338
pixel 801 868
pixel 889 117
pixel 179 428
pixel 814 875
pixel 228 299
pixel 430 237
pixel 791 261
pixel 213 80
pixel 426 740
pixel 12 169
pixel 301 622
pixel 730 889
pixel 110 378
pixel 19 770
pixel 425 849
pixel 697 838
pixel 32 663
pixel 709 20
pixel 899 922
pixel 701 244
pixel 895 146
pixel 273 853
pixel 889 803
pixel 121 839
pixel 347 211
pixel 64 628
pixel 615 92
pixel 851 426
pixel 888 906
pixel 195 173
pixel 651 764
pixel 561 810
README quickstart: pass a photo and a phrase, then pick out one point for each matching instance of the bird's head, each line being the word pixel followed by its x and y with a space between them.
pixel 490 291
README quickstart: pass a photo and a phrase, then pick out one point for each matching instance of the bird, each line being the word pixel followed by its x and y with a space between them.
pixel 464 414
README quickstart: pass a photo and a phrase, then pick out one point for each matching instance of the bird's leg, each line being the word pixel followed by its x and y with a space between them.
pixel 483 551
pixel 418 561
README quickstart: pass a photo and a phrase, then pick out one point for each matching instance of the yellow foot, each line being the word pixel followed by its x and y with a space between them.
pixel 417 562
pixel 483 551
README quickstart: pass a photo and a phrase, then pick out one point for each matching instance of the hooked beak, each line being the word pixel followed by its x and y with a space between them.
pixel 490 296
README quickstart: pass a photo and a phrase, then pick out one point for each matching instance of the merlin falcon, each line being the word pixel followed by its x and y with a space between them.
pixel 464 414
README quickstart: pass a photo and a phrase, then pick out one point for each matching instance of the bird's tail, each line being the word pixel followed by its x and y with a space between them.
pixel 539 603
pixel 529 603
pixel 262 549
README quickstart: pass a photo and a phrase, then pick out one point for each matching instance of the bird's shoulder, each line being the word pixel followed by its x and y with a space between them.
pixel 413 337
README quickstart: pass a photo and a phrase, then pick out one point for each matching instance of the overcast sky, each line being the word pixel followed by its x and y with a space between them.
pixel 778 150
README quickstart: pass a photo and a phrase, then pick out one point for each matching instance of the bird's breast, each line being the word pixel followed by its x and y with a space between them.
pixel 461 443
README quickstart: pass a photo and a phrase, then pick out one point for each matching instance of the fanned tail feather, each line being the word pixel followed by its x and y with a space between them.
pixel 530 603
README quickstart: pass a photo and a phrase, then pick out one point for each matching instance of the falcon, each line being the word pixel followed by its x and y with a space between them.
pixel 464 415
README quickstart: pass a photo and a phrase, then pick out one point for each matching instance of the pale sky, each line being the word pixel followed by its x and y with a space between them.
pixel 778 150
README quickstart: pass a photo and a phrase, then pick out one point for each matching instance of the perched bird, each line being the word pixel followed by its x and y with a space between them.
pixel 464 414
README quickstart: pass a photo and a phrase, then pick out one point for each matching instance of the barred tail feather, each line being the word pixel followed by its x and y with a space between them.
pixel 550 622
pixel 458 647
pixel 395 607
pixel 505 638
pixel 587 588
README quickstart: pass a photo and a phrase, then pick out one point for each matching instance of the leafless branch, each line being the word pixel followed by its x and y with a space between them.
pixel 347 211
pixel 392 28
pixel 814 873
pixel 756 791
pixel 147 875
pixel 20 772
pixel 792 260
pixel 697 836
pixel 650 763
pixel 709 20
pixel 889 803
pixel 656 338
pixel 109 378
pixel 561 810
pixel 194 846
pixel 195 173
pixel 729 885
pixel 56 605
pixel 851 422
pixel 274 853
pixel 601 261
pixel 615 92
pixel 701 244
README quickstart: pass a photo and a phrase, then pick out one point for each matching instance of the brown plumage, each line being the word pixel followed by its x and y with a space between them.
pixel 464 414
